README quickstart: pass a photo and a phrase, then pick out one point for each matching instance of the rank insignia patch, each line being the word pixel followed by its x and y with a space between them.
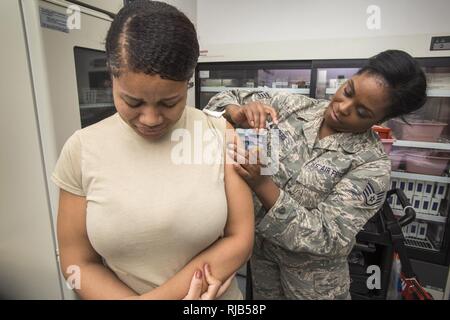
pixel 371 196
pixel 263 95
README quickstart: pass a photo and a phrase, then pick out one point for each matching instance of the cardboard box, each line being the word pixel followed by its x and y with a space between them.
pixel 417 203
pixel 402 184
pixel 422 231
pixel 428 189
pixel 426 204
pixel 434 208
pixel 413 228
pixel 440 190
pixel 420 185
pixel 410 187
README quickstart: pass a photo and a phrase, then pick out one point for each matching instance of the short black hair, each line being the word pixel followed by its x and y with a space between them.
pixel 152 37
pixel 405 78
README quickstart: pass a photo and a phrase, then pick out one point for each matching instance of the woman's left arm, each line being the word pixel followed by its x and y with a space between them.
pixel 329 229
pixel 228 253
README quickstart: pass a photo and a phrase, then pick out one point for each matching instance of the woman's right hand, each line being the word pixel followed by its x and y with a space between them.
pixel 251 115
pixel 215 287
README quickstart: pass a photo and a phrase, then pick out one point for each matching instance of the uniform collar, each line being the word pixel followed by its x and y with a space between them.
pixel 312 119
pixel 355 142
pixel 311 114
pixel 349 142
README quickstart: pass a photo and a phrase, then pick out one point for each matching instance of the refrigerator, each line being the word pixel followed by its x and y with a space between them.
pixel 419 151
pixel 212 78
pixel 420 157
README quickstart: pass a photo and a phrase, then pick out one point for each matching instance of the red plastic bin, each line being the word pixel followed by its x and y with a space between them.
pixel 383 132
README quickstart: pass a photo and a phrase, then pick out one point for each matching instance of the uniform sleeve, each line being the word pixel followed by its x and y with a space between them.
pixel 330 229
pixel 285 103
pixel 238 97
pixel 67 173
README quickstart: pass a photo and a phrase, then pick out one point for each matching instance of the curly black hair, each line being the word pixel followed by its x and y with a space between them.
pixel 152 37
pixel 406 81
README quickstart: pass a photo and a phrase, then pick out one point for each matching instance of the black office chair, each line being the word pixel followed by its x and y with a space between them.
pixel 374 246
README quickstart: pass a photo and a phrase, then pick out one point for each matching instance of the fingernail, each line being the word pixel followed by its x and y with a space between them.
pixel 252 123
pixel 198 274
pixel 208 268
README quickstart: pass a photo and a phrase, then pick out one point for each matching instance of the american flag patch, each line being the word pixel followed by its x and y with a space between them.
pixel 371 197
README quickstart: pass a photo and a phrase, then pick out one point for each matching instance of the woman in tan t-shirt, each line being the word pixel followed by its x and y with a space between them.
pixel 143 210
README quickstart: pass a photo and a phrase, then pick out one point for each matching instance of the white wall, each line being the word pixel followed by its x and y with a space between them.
pixel 189 8
pixel 320 29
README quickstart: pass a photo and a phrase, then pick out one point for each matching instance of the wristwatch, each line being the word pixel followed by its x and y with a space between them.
pixel 218 114
pixel 215 114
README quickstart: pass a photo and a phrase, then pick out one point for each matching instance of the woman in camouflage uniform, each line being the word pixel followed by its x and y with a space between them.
pixel 332 178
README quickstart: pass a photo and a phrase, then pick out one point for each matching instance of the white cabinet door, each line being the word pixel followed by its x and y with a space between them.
pixel 28 266
pixel 54 81
pixel 52 57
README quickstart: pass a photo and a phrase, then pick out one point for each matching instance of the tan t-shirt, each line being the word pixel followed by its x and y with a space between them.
pixel 151 206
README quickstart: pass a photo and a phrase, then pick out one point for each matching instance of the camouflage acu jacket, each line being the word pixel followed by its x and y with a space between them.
pixel 329 187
